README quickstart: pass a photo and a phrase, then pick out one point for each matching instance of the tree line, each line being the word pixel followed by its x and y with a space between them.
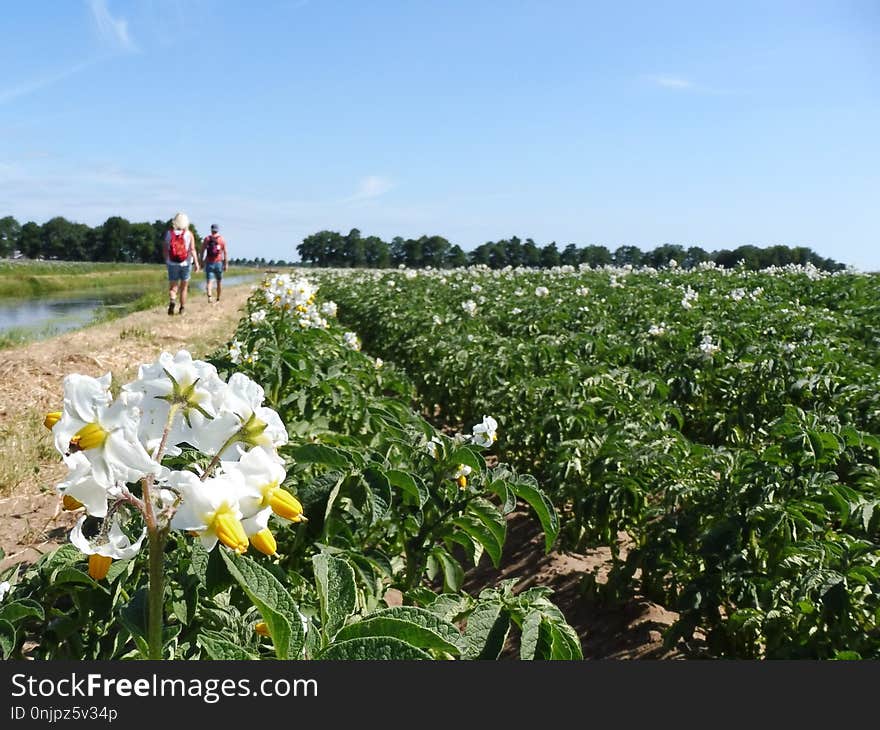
pixel 333 249
pixel 119 240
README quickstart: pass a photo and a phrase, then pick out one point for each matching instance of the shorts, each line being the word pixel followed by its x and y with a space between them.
pixel 214 271
pixel 179 272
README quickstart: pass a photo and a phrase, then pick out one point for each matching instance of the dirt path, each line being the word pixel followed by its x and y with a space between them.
pixel 31 385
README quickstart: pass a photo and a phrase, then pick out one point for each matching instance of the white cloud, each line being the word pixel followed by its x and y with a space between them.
pixel 113 30
pixel 671 82
pixel 29 87
pixel 371 187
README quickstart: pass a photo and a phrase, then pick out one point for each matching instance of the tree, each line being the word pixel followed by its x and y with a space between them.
pixel 694 256
pixel 29 240
pixel 624 255
pixel 456 257
pixel 531 254
pixel 398 251
pixel 57 237
pixel 549 256
pixel 376 253
pixel 412 252
pixel 113 243
pixel 434 250
pixel 570 255
pixel 10 230
pixel 595 256
pixel 662 255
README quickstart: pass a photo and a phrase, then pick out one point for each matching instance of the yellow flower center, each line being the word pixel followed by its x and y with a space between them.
pixel 264 541
pixel 229 530
pixel 98 566
pixel 462 482
pixel 262 628
pixel 51 419
pixel 90 436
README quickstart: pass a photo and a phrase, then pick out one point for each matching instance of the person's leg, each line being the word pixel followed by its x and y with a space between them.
pixel 209 278
pixel 184 285
pixel 219 281
pixel 172 295
pixel 172 287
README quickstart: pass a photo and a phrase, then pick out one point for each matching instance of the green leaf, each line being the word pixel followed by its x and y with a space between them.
pixel 7 639
pixel 66 576
pixel 373 648
pixel 526 489
pixel 478 531
pixel 562 645
pixel 486 631
pixel 453 575
pixel 273 602
pixel 67 554
pixel 379 493
pixel 336 591
pixel 210 569
pixel 315 493
pixel 220 648
pixel 408 484
pixel 321 454
pixel 415 626
pixel 134 618
pixel 464 455
pixel 22 608
pixel 531 634
pixel 489 515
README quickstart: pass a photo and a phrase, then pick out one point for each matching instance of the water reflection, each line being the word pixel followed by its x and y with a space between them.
pixel 51 315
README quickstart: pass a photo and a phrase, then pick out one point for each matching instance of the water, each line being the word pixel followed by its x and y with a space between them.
pixel 50 315
pixel 53 315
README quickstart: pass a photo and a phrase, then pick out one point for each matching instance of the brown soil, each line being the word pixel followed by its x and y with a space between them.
pixel 31 380
pixel 631 630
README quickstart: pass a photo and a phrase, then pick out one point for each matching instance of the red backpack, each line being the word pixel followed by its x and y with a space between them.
pixel 212 247
pixel 177 249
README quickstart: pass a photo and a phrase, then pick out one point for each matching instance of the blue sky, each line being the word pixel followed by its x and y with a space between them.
pixel 712 124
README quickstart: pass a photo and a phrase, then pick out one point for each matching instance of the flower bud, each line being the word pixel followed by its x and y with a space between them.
pixel 264 541
pixel 70 503
pixel 285 505
pixel 230 532
pixel 262 628
pixel 98 566
pixel 51 419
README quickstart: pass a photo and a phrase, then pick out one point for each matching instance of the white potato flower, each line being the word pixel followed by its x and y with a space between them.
pixel 105 432
pixel 485 433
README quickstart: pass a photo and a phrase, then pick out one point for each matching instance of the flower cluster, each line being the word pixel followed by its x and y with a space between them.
pixel 114 447
pixel 707 347
pixel 297 296
pixel 690 296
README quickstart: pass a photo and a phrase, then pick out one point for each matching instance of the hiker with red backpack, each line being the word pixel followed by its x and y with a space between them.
pixel 180 253
pixel 215 259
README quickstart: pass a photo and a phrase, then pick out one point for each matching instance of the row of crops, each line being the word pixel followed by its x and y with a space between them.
pixel 726 421
pixel 280 499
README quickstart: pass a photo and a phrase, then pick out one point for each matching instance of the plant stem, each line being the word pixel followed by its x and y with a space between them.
pixel 156 534
pixel 156 592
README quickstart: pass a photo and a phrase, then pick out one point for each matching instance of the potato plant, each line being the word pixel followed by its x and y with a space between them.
pixel 267 503
pixel 726 420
